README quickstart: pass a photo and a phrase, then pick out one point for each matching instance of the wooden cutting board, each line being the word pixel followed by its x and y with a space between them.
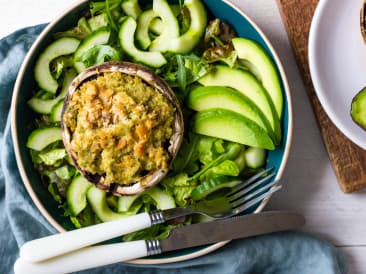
pixel 349 161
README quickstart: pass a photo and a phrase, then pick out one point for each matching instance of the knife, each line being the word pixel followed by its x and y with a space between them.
pixel 179 238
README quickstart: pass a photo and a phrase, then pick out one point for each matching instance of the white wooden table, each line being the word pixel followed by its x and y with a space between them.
pixel 310 186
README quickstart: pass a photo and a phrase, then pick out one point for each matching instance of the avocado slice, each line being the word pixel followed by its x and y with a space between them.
pixel 249 86
pixel 203 98
pixel 259 62
pixel 358 108
pixel 231 126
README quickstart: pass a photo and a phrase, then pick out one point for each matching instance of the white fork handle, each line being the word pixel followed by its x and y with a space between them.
pixel 54 245
pixel 84 258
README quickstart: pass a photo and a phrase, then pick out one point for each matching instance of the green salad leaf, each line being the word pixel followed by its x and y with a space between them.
pixel 86 218
pixel 180 186
pixel 227 167
pixel 99 54
pixel 232 151
pixel 53 157
pixel 155 232
pixel 80 31
pixel 183 70
pixel 186 160
pixel 52 188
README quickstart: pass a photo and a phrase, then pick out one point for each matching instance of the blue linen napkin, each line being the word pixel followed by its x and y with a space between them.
pixel 283 253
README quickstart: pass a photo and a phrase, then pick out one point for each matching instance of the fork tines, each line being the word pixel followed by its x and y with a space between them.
pixel 246 194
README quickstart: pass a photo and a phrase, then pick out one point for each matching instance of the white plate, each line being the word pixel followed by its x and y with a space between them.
pixel 337 60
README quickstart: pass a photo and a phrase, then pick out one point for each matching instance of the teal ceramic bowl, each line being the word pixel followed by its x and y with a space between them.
pixel 22 117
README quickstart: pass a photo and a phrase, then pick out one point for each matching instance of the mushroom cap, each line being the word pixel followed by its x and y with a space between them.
pixel 153 177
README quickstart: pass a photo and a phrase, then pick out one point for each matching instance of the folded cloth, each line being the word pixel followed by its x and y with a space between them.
pixel 288 252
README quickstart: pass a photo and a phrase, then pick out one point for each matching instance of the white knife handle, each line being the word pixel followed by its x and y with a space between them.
pixel 54 245
pixel 89 257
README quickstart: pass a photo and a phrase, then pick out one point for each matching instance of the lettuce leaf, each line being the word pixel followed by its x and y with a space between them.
pixel 53 157
pixel 180 186
pixel 86 218
pixel 227 167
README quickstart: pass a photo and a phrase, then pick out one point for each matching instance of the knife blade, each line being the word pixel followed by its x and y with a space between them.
pixel 230 229
pixel 179 238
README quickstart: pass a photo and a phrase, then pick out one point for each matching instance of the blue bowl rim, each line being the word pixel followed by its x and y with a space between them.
pixel 39 204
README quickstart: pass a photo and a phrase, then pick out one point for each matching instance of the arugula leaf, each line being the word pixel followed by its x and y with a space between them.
pixel 112 8
pixel 98 7
pixel 155 232
pixel 181 73
pixel 186 160
pixel 99 54
pixel 183 70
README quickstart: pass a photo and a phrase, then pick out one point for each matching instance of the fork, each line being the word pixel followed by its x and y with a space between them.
pixel 241 197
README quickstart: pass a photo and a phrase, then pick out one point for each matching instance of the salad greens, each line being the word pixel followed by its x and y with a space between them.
pixel 203 165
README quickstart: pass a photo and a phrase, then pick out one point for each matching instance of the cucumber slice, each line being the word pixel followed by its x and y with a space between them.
pixel 171 26
pixel 76 194
pixel 45 106
pixel 142 30
pixel 212 185
pixel 55 115
pixel 99 37
pixel 157 24
pixel 187 41
pixel 255 157
pixel 131 8
pixel 42 72
pixel 97 200
pixel 42 137
pixel 149 20
pixel 42 106
pixel 126 38
pixel 124 203
pixel 162 199
pixel 358 108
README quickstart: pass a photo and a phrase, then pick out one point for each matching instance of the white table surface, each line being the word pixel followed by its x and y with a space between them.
pixel 310 186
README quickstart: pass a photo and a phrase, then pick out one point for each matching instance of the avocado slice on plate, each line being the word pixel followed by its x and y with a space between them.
pixel 203 98
pixel 231 126
pixel 259 63
pixel 249 86
pixel 358 108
